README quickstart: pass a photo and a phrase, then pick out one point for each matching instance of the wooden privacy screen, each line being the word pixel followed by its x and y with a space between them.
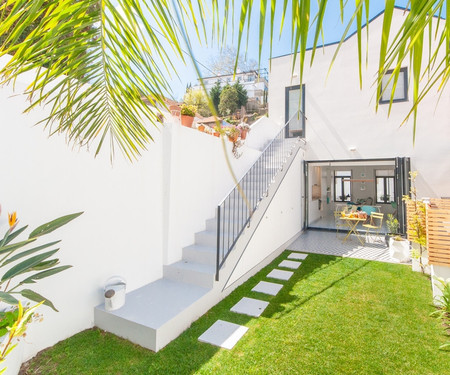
pixel 438 232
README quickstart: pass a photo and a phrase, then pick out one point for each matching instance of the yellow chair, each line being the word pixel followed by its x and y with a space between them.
pixel 340 224
pixel 376 222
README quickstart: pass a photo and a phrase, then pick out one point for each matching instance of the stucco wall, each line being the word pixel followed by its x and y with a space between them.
pixel 340 116
pixel 137 216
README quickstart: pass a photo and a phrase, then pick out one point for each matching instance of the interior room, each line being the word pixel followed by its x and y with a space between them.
pixel 337 186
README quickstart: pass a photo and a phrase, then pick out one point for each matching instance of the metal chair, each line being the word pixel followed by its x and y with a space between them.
pixel 376 222
pixel 339 224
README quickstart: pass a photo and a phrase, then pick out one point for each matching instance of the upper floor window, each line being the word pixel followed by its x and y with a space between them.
pixel 250 78
pixel 295 111
pixel 401 89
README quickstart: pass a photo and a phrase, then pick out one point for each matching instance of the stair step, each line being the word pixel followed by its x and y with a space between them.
pixel 191 272
pixel 200 254
pixel 154 314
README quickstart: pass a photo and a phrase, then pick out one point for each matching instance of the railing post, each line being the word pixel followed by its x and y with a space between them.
pixel 218 244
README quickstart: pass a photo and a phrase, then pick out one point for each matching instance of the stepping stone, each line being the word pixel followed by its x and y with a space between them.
pixel 290 264
pixel 267 288
pixel 223 334
pixel 250 306
pixel 280 275
pixel 297 256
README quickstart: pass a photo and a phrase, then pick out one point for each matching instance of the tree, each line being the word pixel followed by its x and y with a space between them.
pixel 242 94
pixel 229 101
pixel 214 94
pixel 100 97
pixel 229 60
pixel 198 99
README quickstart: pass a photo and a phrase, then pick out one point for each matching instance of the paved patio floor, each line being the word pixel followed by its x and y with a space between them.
pixel 328 242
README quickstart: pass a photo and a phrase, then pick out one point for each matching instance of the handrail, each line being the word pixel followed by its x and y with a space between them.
pixel 235 210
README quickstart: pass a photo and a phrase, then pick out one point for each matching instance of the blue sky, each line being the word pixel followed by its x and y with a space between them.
pixel 333 29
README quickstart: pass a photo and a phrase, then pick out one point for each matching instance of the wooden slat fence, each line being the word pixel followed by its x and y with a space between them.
pixel 438 232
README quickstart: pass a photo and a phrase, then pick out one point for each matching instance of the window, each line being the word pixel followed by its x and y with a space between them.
pixel 250 78
pixel 401 89
pixel 384 186
pixel 342 186
pixel 295 111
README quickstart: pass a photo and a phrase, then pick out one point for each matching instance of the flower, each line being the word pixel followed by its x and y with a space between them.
pixel 12 220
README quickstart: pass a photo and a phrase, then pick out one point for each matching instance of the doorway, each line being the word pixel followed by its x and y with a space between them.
pixel 335 185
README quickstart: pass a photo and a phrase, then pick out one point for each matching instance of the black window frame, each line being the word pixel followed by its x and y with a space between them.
pixel 405 87
pixel 286 109
pixel 385 178
pixel 342 187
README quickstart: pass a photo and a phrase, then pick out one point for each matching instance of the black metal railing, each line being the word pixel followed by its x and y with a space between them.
pixel 236 209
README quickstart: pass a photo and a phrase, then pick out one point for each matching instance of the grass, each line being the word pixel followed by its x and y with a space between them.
pixel 335 316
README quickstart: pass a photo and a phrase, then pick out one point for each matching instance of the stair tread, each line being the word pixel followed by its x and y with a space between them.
pixel 193 266
pixel 150 307
pixel 198 247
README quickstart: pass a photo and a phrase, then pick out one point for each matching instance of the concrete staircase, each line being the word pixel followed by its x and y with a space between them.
pixel 157 313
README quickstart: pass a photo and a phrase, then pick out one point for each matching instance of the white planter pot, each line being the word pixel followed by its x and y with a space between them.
pixel 399 250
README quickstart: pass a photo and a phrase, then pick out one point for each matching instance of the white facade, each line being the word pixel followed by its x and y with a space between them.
pixel 255 84
pixel 341 121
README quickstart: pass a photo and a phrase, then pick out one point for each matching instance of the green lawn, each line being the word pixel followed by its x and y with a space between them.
pixel 335 316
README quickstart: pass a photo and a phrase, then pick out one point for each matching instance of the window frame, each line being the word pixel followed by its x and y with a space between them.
pixel 385 179
pixel 342 186
pixel 302 109
pixel 405 87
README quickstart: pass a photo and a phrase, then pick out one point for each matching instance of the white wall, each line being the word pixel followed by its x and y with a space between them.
pixel 199 179
pixel 340 115
pixel 43 179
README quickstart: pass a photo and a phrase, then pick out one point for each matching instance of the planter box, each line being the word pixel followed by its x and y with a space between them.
pixel 399 250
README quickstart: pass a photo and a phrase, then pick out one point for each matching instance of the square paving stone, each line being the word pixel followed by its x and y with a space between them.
pixel 250 306
pixel 290 264
pixel 267 288
pixel 223 334
pixel 298 256
pixel 280 275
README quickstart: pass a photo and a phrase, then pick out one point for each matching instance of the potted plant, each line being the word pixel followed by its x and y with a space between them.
pixel 233 133
pixel 392 225
pixel 24 267
pixel 187 115
pixel 244 128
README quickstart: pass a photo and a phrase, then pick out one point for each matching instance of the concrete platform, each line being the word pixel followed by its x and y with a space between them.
pixel 154 314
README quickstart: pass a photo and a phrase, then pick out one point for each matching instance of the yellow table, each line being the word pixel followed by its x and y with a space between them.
pixel 352 223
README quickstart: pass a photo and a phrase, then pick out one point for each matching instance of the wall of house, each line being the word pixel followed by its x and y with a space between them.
pixel 341 117
pixel 137 216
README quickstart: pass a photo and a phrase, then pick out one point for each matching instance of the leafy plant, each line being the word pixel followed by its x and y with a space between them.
pixel 188 110
pixel 32 260
pixel 18 266
pixel 392 224
pixel 443 306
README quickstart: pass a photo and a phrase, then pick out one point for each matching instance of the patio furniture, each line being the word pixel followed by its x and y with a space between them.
pixel 338 222
pixel 352 225
pixel 376 222
pixel 369 210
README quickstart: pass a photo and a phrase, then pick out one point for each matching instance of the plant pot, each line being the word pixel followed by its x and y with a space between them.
pixel 201 128
pixel 399 250
pixel 233 138
pixel 187 121
pixel 175 110
pixel 217 135
pixel 244 134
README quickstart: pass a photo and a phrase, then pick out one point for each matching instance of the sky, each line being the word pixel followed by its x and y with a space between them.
pixel 333 30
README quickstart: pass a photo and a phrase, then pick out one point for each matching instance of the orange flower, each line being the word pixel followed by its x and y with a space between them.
pixel 12 220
